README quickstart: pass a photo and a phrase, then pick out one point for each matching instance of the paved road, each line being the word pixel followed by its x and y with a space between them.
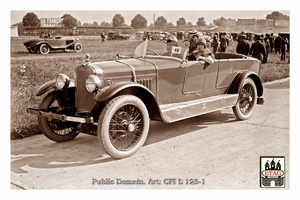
pixel 215 149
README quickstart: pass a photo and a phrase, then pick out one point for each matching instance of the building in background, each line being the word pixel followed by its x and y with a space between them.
pixel 51 22
pixel 14 31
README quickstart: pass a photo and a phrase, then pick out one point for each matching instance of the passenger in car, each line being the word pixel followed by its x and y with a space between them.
pixel 170 44
pixel 202 53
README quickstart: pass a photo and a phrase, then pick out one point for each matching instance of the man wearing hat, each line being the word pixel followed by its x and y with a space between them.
pixel 258 50
pixel 203 53
pixel 195 36
pixel 243 46
pixel 216 42
pixel 224 42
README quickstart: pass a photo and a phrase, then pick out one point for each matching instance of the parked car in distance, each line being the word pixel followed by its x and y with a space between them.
pixel 155 35
pixel 46 44
pixel 113 35
pixel 116 99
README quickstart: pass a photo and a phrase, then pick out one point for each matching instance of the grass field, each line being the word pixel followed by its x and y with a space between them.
pixel 42 68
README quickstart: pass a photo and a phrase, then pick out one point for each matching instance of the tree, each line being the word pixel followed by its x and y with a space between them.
pixel 95 23
pixel 69 21
pixel 201 22
pixel 105 24
pixel 160 21
pixel 30 19
pixel 181 22
pixel 86 24
pixel 78 23
pixel 118 20
pixel 138 21
pixel 277 15
pixel 170 24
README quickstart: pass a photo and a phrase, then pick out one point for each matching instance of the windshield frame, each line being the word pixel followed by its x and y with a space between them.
pixel 142 48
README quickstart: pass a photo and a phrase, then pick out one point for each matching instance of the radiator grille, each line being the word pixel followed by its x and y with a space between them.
pixel 84 99
pixel 145 82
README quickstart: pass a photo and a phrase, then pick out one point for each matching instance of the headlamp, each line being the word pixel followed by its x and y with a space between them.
pixel 62 81
pixel 92 83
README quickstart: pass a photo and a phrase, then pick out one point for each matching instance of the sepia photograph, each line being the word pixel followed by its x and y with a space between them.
pixel 173 99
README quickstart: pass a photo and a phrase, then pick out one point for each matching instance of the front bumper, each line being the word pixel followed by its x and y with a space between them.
pixel 81 119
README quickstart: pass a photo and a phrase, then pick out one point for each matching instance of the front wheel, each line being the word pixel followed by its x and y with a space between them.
pixel 54 129
pixel 123 126
pixel 77 47
pixel 44 49
pixel 246 104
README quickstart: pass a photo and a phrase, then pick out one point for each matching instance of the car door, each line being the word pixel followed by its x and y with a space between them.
pixel 200 78
pixel 194 76
pixel 56 43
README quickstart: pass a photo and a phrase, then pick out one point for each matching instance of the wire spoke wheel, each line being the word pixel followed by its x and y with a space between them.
pixel 126 127
pixel 246 104
pixel 55 129
pixel 123 126
pixel 246 99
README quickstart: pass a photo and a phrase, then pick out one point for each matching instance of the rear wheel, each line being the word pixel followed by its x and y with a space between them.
pixel 32 49
pixel 246 101
pixel 54 129
pixel 123 126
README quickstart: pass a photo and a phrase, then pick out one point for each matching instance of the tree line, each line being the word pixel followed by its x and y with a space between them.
pixel 138 22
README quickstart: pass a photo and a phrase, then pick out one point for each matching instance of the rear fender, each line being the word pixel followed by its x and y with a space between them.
pixel 32 43
pixel 239 79
pixel 50 85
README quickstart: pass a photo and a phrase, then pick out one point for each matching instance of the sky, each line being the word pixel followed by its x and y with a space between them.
pixel 88 11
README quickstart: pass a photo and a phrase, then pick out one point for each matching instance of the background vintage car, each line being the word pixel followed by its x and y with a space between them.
pixel 46 44
pixel 116 99
pixel 113 35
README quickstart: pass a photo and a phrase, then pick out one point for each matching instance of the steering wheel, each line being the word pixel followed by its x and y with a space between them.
pixel 153 52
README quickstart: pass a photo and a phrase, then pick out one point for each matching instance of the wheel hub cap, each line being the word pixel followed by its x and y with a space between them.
pixel 130 128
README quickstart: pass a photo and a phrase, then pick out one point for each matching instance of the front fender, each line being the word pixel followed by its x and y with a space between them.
pixel 50 85
pixel 239 79
pixel 111 90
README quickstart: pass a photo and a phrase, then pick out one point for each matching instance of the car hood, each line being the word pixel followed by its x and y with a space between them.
pixel 123 67
pixel 139 66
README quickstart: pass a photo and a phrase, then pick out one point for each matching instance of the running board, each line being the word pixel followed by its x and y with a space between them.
pixel 183 110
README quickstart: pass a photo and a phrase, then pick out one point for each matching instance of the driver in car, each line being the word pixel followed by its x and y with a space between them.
pixel 202 53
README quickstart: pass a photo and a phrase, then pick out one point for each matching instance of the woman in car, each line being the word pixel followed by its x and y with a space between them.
pixel 203 53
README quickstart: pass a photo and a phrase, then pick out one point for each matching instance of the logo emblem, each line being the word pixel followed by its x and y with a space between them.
pixel 272 171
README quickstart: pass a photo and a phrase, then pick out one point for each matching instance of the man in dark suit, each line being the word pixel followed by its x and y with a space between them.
pixel 258 50
pixel 243 46
pixel 224 42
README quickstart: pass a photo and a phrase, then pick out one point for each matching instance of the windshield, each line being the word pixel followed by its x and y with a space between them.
pixel 159 48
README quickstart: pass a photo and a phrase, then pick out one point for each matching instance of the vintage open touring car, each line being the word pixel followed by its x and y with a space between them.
pixel 46 44
pixel 116 99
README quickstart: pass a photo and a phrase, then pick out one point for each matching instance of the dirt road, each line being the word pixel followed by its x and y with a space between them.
pixel 213 151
